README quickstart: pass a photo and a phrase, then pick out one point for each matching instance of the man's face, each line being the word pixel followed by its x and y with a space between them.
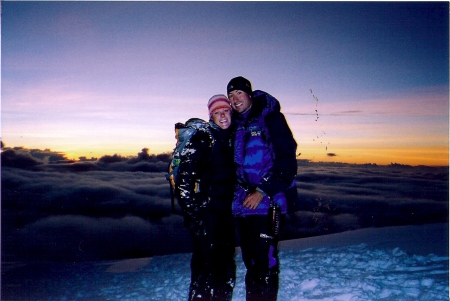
pixel 240 101
pixel 222 117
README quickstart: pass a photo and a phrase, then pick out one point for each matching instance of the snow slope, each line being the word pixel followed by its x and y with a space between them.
pixel 393 263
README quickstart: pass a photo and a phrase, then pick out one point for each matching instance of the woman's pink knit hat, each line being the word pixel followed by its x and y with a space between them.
pixel 218 101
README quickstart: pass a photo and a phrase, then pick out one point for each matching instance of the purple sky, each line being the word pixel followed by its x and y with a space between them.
pixel 95 78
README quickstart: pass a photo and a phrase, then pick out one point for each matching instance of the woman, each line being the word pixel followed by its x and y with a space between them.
pixel 205 192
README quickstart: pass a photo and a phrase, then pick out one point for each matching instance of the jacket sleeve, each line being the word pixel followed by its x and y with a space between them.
pixel 194 161
pixel 284 169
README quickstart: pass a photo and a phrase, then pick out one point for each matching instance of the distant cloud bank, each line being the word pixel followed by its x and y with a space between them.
pixel 116 207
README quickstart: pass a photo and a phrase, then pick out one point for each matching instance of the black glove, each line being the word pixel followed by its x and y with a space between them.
pixel 195 225
pixel 197 228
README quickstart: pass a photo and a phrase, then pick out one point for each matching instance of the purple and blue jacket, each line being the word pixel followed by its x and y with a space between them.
pixel 265 156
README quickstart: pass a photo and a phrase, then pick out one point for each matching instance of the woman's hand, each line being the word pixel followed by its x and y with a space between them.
pixel 253 199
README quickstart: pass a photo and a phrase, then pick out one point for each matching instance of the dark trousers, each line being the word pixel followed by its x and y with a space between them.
pixel 213 269
pixel 260 256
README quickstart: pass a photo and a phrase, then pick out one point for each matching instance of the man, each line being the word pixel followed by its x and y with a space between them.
pixel 265 158
pixel 205 191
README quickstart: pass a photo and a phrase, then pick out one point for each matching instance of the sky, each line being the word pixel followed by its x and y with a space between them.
pixel 358 82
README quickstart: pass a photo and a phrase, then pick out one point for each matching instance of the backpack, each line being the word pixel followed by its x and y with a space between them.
pixel 183 134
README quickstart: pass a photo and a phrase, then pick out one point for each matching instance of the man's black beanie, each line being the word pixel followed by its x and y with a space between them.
pixel 240 83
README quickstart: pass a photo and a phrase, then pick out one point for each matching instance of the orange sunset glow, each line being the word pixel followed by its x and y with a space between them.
pixel 357 82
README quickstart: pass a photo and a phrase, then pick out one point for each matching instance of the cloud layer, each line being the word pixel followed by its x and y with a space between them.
pixel 117 207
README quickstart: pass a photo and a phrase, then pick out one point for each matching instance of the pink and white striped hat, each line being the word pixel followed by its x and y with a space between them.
pixel 218 101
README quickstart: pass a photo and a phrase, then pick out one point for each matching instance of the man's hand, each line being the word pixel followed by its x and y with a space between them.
pixel 253 199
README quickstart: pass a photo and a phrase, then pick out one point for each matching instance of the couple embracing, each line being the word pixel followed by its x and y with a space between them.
pixel 240 171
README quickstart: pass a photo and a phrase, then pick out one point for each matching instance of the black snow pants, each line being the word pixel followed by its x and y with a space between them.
pixel 213 269
pixel 260 256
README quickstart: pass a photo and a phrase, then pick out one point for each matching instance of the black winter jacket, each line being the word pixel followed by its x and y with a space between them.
pixel 206 173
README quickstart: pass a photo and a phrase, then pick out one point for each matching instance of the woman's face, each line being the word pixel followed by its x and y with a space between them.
pixel 222 117
pixel 240 101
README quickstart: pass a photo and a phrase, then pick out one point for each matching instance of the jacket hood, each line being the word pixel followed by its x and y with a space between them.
pixel 263 104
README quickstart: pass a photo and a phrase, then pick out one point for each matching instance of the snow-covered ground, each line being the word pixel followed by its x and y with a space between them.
pixel 393 263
